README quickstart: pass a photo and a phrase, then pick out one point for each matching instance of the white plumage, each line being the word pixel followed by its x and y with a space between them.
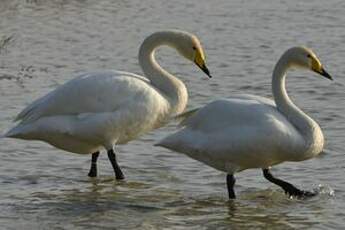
pixel 100 109
pixel 93 111
pixel 248 131
pixel 236 134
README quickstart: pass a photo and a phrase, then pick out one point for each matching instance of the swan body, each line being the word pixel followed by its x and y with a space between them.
pixel 94 111
pixel 238 133
pixel 99 109
pixel 248 131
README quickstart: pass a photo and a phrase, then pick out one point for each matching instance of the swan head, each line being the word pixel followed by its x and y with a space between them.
pixel 189 46
pixel 305 58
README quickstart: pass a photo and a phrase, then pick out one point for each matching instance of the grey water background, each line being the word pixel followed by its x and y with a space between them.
pixel 48 42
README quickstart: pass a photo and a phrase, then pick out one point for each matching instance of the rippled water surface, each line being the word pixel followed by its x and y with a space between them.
pixel 45 43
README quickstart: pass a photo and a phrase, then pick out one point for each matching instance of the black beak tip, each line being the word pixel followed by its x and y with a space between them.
pixel 205 70
pixel 325 74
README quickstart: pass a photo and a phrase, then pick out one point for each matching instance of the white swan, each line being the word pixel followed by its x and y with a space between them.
pixel 249 131
pixel 100 109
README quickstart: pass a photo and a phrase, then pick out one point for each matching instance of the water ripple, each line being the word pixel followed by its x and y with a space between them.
pixel 45 43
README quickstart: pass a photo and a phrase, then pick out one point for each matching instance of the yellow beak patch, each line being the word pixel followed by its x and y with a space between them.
pixel 199 58
pixel 316 65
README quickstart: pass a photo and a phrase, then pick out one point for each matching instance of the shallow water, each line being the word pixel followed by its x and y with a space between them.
pixel 50 41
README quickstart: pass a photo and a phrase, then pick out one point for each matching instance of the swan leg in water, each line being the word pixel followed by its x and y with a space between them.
pixel 287 187
pixel 112 158
pixel 117 170
pixel 230 182
pixel 93 169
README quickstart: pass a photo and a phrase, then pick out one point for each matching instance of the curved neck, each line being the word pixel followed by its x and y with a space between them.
pixel 306 126
pixel 172 88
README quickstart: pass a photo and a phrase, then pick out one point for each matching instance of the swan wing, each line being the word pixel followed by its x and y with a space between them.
pixel 95 92
pixel 237 112
pixel 188 116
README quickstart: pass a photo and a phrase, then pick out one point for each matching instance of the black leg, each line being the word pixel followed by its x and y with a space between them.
pixel 287 187
pixel 118 173
pixel 93 169
pixel 230 182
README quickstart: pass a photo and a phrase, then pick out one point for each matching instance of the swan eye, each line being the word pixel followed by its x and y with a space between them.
pixel 194 48
pixel 309 56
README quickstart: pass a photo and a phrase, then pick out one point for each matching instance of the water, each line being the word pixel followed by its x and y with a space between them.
pixel 50 41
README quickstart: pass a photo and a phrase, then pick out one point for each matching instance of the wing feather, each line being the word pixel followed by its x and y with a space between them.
pixel 94 92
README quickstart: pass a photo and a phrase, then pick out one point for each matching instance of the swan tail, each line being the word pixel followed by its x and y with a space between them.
pixel 19 131
pixel 185 141
pixel 175 142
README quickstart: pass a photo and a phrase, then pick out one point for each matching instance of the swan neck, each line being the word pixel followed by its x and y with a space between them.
pixel 305 125
pixel 169 86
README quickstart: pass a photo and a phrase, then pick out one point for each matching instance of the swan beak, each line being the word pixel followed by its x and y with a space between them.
pixel 200 61
pixel 205 70
pixel 324 73
pixel 317 67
